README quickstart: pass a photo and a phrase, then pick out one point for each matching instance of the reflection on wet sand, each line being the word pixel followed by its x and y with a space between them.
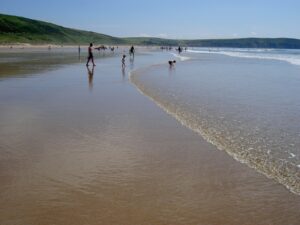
pixel 90 76
pixel 123 74
pixel 26 63
pixel 131 61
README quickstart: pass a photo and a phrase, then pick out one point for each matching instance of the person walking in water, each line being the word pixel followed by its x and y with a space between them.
pixel 90 57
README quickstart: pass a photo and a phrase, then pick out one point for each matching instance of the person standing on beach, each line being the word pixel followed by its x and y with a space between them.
pixel 179 49
pixel 90 57
pixel 123 61
pixel 131 51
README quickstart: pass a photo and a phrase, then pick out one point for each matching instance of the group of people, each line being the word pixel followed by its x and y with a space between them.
pixel 131 53
pixel 91 56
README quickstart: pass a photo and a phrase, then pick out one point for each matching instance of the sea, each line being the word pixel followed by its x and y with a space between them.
pixel 244 101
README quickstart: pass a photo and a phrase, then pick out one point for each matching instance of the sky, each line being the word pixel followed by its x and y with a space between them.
pixel 188 19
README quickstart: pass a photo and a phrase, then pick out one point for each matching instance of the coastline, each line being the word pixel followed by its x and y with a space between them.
pixel 105 154
pixel 62 46
pixel 32 46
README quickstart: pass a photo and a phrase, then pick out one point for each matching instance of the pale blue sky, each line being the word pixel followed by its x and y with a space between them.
pixel 167 18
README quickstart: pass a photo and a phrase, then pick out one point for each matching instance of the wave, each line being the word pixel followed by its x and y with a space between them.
pixel 268 54
pixel 182 58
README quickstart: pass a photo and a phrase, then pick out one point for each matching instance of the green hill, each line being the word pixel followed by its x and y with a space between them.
pixel 14 29
pixel 151 41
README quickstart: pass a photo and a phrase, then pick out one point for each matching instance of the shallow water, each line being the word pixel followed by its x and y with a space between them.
pixel 248 107
pixel 87 148
pixel 27 62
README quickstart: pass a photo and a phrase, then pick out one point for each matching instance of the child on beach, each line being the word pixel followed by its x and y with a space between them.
pixel 90 57
pixel 123 61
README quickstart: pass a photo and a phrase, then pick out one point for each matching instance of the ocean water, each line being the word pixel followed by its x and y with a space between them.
pixel 291 56
pixel 246 102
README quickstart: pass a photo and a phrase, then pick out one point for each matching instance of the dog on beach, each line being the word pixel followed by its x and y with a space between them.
pixel 172 63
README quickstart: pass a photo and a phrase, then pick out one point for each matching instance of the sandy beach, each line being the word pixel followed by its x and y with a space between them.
pixel 83 146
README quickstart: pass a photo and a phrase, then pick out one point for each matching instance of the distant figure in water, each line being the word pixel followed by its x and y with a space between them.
pixel 179 49
pixel 90 57
pixel 123 61
pixel 131 51
pixel 172 63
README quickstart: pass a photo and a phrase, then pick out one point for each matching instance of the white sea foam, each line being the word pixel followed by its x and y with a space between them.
pixel 270 54
pixel 182 58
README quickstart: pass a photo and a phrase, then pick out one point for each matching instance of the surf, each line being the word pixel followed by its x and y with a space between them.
pixel 290 56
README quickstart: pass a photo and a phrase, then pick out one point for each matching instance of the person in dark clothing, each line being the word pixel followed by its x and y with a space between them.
pixel 131 51
pixel 90 57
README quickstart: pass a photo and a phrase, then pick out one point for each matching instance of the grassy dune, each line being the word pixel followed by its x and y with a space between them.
pixel 14 29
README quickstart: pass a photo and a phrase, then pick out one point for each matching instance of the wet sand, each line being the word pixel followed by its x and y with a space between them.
pixel 78 148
